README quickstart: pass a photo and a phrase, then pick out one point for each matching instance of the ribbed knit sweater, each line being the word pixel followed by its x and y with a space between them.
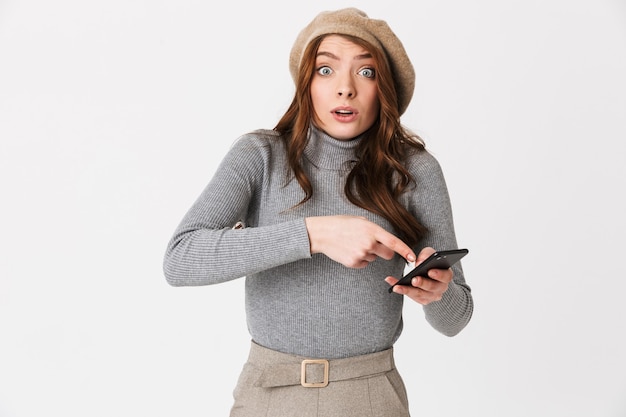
pixel 297 302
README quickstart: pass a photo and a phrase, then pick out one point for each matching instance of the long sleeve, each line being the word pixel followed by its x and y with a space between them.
pixel 205 249
pixel 431 205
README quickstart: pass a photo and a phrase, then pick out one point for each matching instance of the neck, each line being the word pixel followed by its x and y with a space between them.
pixel 326 152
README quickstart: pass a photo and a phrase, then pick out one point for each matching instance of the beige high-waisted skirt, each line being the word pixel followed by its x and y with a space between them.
pixel 274 384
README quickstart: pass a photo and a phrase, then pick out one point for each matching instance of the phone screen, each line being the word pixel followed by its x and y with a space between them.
pixel 439 260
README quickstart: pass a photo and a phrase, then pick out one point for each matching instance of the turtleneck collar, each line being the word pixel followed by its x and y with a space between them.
pixel 326 152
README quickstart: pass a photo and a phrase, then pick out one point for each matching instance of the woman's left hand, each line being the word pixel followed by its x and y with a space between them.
pixel 425 290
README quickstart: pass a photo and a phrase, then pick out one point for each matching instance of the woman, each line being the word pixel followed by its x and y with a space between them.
pixel 328 207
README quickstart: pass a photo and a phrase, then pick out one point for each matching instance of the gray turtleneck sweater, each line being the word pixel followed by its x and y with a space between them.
pixel 296 302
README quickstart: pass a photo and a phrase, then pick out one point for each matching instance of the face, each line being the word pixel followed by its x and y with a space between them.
pixel 344 88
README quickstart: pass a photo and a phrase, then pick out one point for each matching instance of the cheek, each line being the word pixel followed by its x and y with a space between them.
pixel 374 105
pixel 316 95
pixel 370 97
pixel 374 98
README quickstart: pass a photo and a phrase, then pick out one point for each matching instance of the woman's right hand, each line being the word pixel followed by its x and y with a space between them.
pixel 354 241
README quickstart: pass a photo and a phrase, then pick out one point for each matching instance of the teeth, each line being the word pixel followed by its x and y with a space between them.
pixel 343 112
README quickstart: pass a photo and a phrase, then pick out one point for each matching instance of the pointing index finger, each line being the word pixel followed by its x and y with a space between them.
pixel 396 245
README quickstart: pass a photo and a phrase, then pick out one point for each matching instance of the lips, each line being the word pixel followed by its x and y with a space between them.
pixel 344 111
pixel 344 114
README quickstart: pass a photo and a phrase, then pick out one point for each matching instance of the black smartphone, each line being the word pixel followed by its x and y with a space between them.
pixel 442 259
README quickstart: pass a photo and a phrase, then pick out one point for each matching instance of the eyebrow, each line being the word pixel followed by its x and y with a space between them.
pixel 366 55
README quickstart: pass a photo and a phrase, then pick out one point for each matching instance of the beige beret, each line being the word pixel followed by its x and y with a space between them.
pixel 352 21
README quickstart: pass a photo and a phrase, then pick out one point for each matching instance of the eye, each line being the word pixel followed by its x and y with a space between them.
pixel 324 70
pixel 368 72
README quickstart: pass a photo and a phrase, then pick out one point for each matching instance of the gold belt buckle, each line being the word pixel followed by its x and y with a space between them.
pixel 303 373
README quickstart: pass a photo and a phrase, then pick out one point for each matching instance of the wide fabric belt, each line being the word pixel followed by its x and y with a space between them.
pixel 281 369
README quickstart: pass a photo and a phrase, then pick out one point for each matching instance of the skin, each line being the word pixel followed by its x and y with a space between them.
pixel 345 101
pixel 343 89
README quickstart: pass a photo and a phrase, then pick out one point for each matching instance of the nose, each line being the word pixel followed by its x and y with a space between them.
pixel 345 87
pixel 345 92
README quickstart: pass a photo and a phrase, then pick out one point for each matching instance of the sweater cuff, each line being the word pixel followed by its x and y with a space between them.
pixel 295 239
pixel 452 313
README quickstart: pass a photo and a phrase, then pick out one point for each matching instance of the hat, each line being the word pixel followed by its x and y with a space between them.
pixel 352 21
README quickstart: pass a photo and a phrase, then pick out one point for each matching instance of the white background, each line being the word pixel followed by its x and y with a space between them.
pixel 113 116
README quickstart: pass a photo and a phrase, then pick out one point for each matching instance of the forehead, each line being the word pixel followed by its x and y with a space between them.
pixel 342 43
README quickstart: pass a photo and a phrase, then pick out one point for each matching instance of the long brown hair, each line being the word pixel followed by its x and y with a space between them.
pixel 378 177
